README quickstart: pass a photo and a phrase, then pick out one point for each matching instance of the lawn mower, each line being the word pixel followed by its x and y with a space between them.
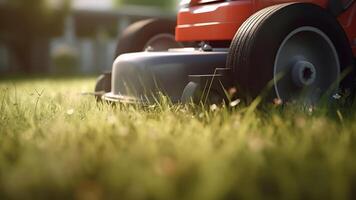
pixel 295 51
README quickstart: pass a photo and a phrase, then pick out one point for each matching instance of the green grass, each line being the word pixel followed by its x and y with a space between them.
pixel 58 144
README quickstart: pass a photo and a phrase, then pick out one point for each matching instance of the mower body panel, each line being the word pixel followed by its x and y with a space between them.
pixel 140 77
pixel 219 20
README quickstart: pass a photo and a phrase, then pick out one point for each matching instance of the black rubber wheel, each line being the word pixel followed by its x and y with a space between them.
pixel 137 36
pixel 255 52
pixel 103 85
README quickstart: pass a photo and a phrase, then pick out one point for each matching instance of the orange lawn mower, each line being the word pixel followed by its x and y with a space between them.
pixel 304 50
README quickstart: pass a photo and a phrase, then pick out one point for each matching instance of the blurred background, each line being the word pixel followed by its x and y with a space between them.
pixel 68 36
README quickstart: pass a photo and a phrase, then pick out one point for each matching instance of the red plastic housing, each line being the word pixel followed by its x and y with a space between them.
pixel 216 20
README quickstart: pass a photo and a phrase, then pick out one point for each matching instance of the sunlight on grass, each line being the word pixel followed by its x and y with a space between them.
pixel 57 143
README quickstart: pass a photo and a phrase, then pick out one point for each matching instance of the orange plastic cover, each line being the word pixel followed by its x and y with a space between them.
pixel 221 20
pixel 218 21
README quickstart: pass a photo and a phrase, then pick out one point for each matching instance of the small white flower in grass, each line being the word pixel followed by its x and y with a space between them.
pixel 214 107
pixel 337 96
pixel 70 111
pixel 277 101
pixel 311 109
pixel 235 103
pixel 232 91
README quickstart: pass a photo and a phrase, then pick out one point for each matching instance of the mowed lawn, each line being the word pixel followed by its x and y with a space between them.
pixel 56 143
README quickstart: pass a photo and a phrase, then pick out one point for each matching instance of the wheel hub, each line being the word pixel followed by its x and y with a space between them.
pixel 306 66
pixel 303 73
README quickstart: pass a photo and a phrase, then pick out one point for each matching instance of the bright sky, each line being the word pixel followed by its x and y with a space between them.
pixel 92 4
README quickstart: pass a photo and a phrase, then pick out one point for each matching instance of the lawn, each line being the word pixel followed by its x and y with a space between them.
pixel 56 143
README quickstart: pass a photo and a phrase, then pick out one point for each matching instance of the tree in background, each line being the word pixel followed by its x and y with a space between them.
pixel 164 4
pixel 23 23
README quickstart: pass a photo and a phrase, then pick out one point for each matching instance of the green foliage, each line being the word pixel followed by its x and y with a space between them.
pixel 57 144
pixel 66 60
pixel 32 17
pixel 24 22
pixel 166 4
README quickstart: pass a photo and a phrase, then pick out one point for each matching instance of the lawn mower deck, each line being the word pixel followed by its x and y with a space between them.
pixel 142 77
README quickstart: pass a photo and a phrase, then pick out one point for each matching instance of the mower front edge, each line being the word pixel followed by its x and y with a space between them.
pixel 142 77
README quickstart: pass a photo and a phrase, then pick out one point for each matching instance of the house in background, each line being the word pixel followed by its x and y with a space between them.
pixel 93 34
pixel 90 34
